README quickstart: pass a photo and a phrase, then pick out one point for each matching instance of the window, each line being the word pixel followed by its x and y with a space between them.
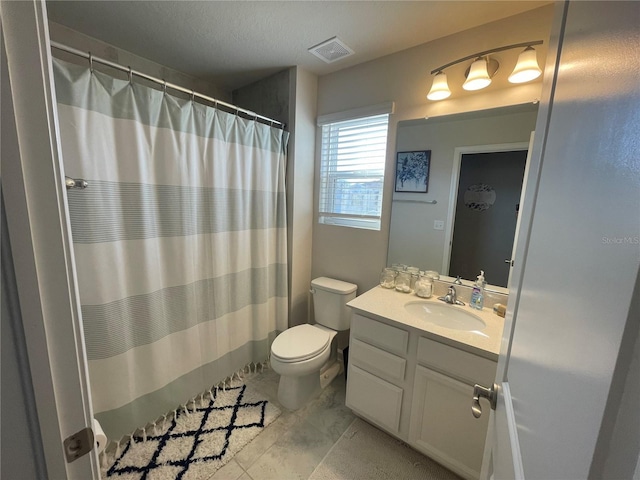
pixel 352 160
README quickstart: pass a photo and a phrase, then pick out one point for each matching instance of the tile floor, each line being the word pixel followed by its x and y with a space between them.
pixel 296 442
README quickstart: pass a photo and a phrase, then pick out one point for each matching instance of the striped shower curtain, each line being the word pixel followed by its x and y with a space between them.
pixel 179 239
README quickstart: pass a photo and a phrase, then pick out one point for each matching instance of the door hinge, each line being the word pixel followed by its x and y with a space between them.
pixel 79 444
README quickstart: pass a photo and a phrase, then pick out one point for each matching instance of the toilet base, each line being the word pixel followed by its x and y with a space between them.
pixel 294 392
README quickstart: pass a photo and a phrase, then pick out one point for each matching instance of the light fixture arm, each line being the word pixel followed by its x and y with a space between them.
pixel 486 52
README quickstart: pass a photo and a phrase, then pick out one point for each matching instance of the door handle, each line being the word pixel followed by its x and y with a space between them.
pixel 480 391
pixel 510 262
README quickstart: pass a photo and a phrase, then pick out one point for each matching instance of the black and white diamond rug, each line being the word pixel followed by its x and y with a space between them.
pixel 194 442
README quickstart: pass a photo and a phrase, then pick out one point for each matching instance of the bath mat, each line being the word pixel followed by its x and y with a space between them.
pixel 195 441
pixel 365 453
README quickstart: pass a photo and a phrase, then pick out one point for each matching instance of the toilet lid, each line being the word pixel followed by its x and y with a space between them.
pixel 300 343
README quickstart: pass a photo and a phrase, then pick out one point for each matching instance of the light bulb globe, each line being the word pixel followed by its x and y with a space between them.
pixel 526 68
pixel 478 76
pixel 439 88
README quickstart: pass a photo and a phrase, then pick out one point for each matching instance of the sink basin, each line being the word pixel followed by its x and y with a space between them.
pixel 446 316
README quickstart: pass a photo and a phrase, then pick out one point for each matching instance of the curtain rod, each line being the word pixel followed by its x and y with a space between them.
pixel 165 84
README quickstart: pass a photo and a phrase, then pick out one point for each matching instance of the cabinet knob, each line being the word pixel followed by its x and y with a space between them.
pixel 490 394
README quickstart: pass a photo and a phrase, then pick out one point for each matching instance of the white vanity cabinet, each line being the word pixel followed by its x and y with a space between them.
pixel 419 390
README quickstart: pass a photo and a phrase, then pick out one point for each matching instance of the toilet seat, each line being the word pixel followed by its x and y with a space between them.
pixel 300 343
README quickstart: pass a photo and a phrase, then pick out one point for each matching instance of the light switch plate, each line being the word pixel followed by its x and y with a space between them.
pixel 438 224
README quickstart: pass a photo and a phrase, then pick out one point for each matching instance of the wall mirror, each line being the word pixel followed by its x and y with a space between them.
pixel 466 220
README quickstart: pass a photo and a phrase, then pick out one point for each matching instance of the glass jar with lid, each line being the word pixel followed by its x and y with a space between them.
pixel 424 286
pixel 433 274
pixel 388 278
pixel 403 282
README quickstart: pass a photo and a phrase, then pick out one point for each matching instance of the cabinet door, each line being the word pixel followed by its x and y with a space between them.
pixel 442 425
pixel 374 398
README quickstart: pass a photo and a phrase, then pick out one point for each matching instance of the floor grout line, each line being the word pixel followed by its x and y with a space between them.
pixel 332 447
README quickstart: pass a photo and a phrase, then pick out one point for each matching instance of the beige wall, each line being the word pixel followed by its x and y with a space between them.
pixel 358 255
pixel 300 172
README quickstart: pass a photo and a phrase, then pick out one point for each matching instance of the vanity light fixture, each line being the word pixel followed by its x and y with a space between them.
pixel 483 68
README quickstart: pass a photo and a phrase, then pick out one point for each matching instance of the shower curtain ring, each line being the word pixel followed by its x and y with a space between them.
pixel 193 96
pixel 90 62
pixel 164 87
pixel 130 74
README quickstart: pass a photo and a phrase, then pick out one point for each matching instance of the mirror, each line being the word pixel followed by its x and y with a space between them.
pixel 422 227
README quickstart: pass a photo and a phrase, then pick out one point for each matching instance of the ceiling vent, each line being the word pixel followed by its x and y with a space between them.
pixel 331 50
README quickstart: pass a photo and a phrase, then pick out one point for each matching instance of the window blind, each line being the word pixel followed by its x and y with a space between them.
pixel 352 162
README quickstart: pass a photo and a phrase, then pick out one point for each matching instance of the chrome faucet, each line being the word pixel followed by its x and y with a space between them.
pixel 451 297
pixel 457 281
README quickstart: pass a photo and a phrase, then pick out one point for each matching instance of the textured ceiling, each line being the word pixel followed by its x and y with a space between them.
pixel 234 43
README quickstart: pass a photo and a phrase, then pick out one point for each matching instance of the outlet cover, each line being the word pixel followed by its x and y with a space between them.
pixel 438 224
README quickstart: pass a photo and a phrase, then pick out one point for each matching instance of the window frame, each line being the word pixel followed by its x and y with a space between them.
pixel 328 181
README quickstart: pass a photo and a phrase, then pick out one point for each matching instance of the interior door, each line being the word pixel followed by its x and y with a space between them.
pixel 511 260
pixel 456 196
pixel 37 217
pixel 561 345
pixel 489 190
pixel 502 457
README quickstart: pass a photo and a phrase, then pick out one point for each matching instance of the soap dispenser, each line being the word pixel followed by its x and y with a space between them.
pixel 477 295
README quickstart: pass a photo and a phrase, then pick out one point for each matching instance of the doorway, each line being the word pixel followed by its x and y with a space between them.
pixel 485 212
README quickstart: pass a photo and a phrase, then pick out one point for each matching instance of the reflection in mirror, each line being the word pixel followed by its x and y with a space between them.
pixel 485 209
pixel 422 232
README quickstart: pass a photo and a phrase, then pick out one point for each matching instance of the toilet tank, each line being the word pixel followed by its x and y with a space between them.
pixel 330 297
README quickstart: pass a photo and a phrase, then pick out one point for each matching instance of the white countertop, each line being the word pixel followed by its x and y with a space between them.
pixel 389 304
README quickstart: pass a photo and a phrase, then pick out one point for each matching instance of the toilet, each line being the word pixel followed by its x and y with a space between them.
pixel 299 353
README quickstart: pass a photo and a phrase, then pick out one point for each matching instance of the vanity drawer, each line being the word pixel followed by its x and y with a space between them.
pixel 376 333
pixel 374 398
pixel 465 366
pixel 377 361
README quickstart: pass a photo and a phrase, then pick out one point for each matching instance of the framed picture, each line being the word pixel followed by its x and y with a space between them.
pixel 412 171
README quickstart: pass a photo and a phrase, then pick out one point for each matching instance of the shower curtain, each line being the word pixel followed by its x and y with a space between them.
pixel 179 239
